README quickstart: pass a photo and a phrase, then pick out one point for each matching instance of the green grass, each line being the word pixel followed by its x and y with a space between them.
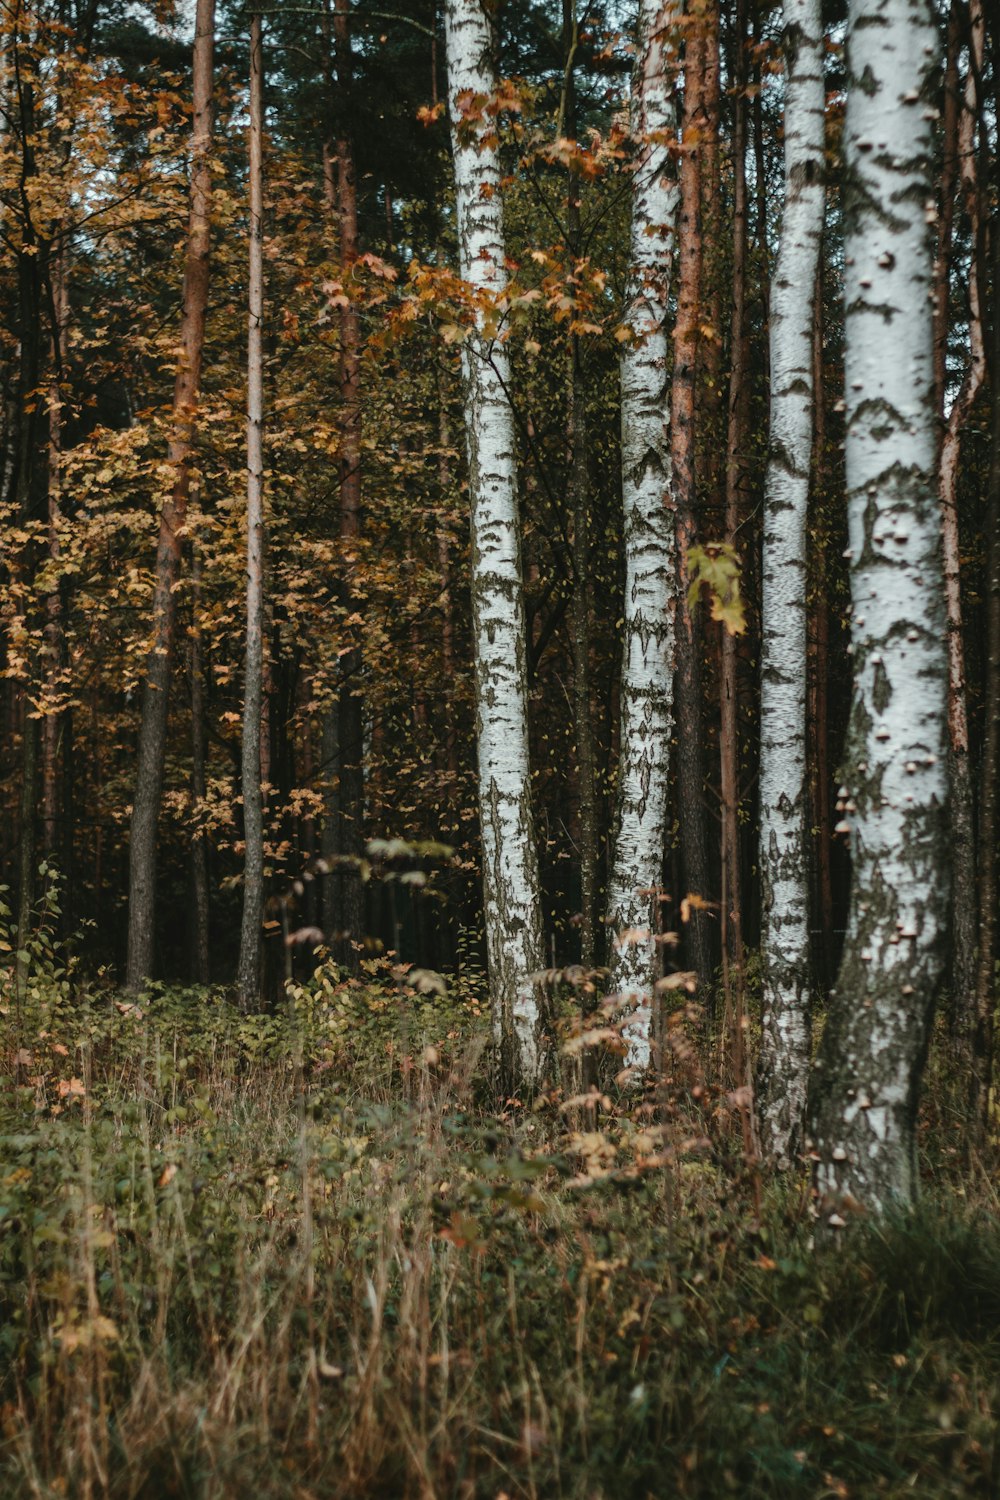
pixel 278 1258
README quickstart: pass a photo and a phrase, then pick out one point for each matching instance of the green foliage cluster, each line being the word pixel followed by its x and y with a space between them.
pixel 295 1255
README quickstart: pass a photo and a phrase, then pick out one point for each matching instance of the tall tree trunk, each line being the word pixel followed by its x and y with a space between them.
pixel 200 915
pixel 875 1041
pixel 690 717
pixel 443 537
pixel 53 722
pixel 343 905
pixel 963 905
pixel 248 980
pixel 29 494
pixel 818 719
pixel 583 723
pixel 784 864
pixel 579 504
pixel 510 861
pixel 711 447
pixel 156 684
pixel 736 476
pixel 650 564
pixel 989 825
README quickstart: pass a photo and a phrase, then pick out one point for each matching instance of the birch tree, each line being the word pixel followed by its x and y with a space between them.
pixel 253 812
pixel 876 1036
pixel 510 860
pixel 784 1067
pixel 173 516
pixel 650 573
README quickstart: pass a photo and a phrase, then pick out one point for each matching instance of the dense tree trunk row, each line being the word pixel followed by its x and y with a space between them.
pixel 635 670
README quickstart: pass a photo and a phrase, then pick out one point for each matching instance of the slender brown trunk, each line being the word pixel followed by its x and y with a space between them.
pixel 28 500
pixel 156 685
pixel 690 727
pixel 711 448
pixel 308 840
pixel 53 649
pixel 579 504
pixel 253 686
pixel 959 148
pixel 444 574
pixel 819 715
pixel 343 904
pixel 737 445
pixel 986 985
pixel 200 917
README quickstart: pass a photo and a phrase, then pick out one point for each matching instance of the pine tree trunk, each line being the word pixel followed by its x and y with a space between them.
pixel 510 862
pixel 54 645
pixel 248 980
pixel 443 536
pixel 156 684
pixel 874 1044
pixel 785 1050
pixel 963 906
pixel 579 507
pixel 688 687
pixel 989 824
pixel 200 916
pixel 29 505
pixel 818 721
pixel 343 835
pixel 53 651
pixel 650 563
pixel 736 480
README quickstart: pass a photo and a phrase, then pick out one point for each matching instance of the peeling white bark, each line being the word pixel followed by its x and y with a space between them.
pixel 650 573
pixel 877 1030
pixel 784 1063
pixel 510 861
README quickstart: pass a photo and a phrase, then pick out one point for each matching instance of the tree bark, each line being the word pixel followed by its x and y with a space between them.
pixel 736 477
pixel 510 861
pixel 963 907
pixel 53 650
pixel 248 980
pixel 690 718
pixel 156 684
pixel 986 966
pixel 343 897
pixel 650 563
pixel 579 505
pixel 29 494
pixel 784 865
pixel 874 1044
pixel 200 913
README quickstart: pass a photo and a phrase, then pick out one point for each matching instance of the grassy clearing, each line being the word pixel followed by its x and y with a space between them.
pixel 301 1258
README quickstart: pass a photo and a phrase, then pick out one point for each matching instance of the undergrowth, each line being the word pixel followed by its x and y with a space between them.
pixel 301 1256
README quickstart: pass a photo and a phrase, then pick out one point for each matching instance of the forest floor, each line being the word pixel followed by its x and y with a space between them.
pixel 300 1255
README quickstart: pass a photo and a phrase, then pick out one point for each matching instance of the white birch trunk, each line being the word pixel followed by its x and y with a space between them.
pixel 876 1035
pixel 784 1062
pixel 510 860
pixel 650 571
